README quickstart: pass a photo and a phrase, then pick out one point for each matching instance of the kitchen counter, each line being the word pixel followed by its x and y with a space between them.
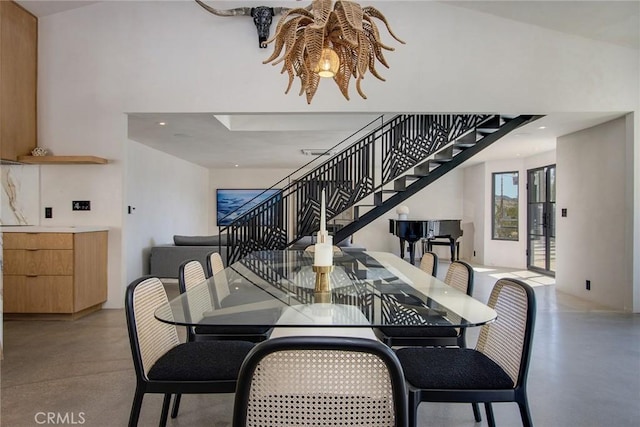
pixel 54 272
pixel 54 229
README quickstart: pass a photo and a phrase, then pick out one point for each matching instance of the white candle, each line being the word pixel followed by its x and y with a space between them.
pixel 323 255
pixel 322 234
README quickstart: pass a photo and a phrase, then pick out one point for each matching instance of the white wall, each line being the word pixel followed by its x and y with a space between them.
pixel 475 199
pixel 103 60
pixel 593 179
pixel 633 201
pixel 170 197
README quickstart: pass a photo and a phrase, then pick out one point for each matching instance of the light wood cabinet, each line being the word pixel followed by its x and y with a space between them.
pixel 18 80
pixel 57 274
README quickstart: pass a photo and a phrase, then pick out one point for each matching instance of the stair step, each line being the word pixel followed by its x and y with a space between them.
pixel 442 160
pixel 424 168
pixel 466 141
pixel 444 155
pixel 484 132
pixel 378 196
pixel 493 123
pixel 401 183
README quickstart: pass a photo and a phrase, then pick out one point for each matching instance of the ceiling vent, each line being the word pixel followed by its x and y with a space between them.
pixel 318 152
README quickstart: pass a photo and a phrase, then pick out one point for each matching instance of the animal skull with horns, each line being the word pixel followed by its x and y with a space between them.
pixel 262 17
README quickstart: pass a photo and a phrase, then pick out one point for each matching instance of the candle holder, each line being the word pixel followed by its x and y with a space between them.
pixel 323 283
pixel 322 297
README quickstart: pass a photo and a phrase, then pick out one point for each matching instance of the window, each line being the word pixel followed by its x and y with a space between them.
pixel 505 206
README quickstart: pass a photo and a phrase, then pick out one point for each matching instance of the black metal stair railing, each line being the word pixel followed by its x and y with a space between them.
pixel 295 210
pixel 461 149
pixel 382 155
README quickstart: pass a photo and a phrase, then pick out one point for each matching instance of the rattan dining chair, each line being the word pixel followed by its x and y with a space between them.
pixel 429 263
pixel 214 263
pixel 191 274
pixel 460 276
pixel 162 364
pixel 215 267
pixel 320 381
pixel 495 371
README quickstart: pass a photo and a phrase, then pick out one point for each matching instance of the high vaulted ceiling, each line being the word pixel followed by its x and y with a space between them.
pixel 610 21
pixel 275 141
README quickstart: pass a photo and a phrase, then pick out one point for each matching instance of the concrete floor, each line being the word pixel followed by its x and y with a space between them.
pixel 585 371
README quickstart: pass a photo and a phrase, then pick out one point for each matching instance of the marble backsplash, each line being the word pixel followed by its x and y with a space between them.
pixel 20 196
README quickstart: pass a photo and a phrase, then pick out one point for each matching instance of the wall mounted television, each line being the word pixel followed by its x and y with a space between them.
pixel 233 203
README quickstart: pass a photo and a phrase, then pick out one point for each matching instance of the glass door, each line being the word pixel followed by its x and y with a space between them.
pixel 541 215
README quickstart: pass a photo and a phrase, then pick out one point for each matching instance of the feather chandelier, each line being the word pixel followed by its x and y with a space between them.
pixel 320 41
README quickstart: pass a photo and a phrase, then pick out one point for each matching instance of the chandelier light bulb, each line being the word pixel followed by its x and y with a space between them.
pixel 328 64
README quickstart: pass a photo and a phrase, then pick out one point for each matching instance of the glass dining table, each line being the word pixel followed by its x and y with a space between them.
pixel 367 290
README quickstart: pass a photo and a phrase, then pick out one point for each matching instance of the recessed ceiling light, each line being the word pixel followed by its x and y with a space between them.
pixel 237 165
pixel 162 123
pixel 542 127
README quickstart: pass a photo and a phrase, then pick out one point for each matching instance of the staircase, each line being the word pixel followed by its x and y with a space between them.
pixel 378 171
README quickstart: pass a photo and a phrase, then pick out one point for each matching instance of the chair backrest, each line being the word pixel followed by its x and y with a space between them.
pixel 215 268
pixel 323 380
pixel 149 338
pixel 460 276
pixel 214 263
pixel 429 263
pixel 507 341
pixel 190 274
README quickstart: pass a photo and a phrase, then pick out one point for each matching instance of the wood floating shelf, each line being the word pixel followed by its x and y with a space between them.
pixel 62 160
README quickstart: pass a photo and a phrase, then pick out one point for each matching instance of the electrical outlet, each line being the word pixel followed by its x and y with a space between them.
pixel 588 285
pixel 48 212
pixel 81 205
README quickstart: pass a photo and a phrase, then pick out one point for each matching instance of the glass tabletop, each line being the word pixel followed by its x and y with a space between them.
pixel 368 289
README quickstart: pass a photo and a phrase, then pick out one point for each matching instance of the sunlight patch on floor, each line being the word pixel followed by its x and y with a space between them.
pixel 529 277
pixel 483 269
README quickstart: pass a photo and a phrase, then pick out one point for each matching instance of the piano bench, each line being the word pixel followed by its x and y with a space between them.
pixel 427 246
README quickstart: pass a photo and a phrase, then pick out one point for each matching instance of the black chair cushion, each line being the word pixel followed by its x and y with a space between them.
pixel 259 317
pixel 452 369
pixel 417 332
pixel 201 361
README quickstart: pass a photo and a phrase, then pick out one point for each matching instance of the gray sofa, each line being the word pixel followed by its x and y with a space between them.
pixel 165 260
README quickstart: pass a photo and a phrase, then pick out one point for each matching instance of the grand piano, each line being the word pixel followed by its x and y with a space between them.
pixel 410 231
